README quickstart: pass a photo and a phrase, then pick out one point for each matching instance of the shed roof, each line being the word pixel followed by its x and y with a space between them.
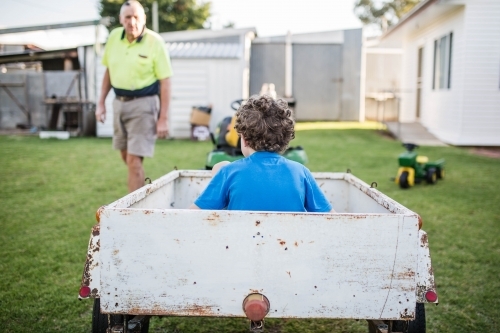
pixel 205 35
pixel 205 50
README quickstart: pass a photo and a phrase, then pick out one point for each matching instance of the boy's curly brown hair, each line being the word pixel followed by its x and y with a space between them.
pixel 266 123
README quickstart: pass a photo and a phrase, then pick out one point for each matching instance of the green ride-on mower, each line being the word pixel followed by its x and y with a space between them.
pixel 228 146
pixel 414 168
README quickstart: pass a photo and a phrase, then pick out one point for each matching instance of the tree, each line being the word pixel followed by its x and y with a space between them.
pixel 173 15
pixel 382 13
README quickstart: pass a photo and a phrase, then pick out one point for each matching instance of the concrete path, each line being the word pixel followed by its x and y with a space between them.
pixel 413 133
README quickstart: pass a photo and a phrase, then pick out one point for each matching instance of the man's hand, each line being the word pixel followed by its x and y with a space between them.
pixel 100 113
pixel 162 128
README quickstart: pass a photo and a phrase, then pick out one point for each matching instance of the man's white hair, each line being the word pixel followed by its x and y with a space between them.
pixel 132 3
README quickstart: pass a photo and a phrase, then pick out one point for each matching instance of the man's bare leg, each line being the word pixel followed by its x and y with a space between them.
pixel 135 171
pixel 123 154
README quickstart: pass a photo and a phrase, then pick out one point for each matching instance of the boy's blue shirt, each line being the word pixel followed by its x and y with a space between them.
pixel 264 181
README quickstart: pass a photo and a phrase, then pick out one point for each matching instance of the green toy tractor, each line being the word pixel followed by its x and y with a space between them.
pixel 414 168
pixel 228 146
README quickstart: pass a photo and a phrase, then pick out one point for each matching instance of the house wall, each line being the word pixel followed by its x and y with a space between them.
pixel 469 112
pixel 480 123
pixel 440 110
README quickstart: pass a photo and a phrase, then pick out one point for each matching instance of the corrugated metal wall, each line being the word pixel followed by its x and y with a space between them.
pixel 326 76
pixel 317 81
pixel 267 65
pixel 30 96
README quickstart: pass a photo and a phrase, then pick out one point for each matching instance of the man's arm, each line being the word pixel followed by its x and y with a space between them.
pixel 162 124
pixel 100 112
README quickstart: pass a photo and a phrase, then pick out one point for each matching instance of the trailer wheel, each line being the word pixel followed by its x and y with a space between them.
pixel 431 176
pixel 403 180
pixel 100 320
pixel 413 326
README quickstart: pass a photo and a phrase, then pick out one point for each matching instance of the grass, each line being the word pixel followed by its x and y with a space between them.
pixel 51 189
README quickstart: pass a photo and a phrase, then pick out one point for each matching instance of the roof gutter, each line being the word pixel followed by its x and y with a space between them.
pixel 415 10
pixel 104 20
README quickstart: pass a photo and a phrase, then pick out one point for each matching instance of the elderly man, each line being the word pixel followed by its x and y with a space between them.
pixel 138 70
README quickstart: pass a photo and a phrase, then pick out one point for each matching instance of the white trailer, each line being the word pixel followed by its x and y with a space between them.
pixel 150 255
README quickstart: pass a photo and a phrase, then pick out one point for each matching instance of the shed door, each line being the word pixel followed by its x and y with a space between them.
pixel 317 96
pixel 189 88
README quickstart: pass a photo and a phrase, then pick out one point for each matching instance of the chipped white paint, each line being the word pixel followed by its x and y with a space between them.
pixel 425 274
pixel 158 258
pixel 91 273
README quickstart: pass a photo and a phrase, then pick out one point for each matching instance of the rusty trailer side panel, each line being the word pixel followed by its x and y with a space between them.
pixel 151 256
pixel 204 263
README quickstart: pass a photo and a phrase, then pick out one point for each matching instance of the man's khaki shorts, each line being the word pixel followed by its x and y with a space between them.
pixel 134 125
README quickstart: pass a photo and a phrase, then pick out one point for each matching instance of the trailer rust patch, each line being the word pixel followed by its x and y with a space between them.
pixel 98 213
pixel 420 222
pixel 96 230
pixel 90 263
pixel 213 219
pixel 407 314
pixel 96 247
pixel 188 310
pixel 282 242
pixel 405 275
pixel 424 241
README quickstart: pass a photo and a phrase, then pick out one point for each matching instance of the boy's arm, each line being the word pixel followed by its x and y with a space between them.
pixel 215 170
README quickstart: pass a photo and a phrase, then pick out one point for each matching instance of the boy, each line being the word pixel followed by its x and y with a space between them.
pixel 264 180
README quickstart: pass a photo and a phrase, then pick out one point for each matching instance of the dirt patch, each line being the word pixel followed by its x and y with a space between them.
pixel 493 152
pixel 386 134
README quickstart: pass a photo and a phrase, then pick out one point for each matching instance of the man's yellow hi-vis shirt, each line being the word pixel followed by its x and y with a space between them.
pixel 135 68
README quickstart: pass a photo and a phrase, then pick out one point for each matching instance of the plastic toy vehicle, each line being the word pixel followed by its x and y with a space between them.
pixel 414 168
pixel 228 146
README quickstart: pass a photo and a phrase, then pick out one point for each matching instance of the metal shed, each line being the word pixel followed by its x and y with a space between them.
pixel 319 72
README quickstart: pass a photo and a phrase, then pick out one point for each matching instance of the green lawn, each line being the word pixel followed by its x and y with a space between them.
pixel 51 189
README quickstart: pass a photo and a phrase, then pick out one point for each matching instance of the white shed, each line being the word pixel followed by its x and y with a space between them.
pixel 210 67
pixel 450 69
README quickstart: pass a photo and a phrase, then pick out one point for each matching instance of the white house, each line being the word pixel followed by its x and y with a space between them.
pixel 449 69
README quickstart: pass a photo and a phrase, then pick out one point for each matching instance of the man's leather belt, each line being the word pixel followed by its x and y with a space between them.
pixel 127 98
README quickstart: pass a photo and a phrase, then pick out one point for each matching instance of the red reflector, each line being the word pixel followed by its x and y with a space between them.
pixel 84 292
pixel 431 296
pixel 256 306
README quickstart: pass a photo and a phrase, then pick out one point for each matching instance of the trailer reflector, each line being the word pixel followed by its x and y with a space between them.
pixel 431 296
pixel 84 292
pixel 256 306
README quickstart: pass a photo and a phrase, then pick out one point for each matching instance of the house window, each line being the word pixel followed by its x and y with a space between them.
pixel 442 62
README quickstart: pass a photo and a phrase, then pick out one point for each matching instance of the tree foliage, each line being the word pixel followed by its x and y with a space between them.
pixel 173 15
pixel 382 13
